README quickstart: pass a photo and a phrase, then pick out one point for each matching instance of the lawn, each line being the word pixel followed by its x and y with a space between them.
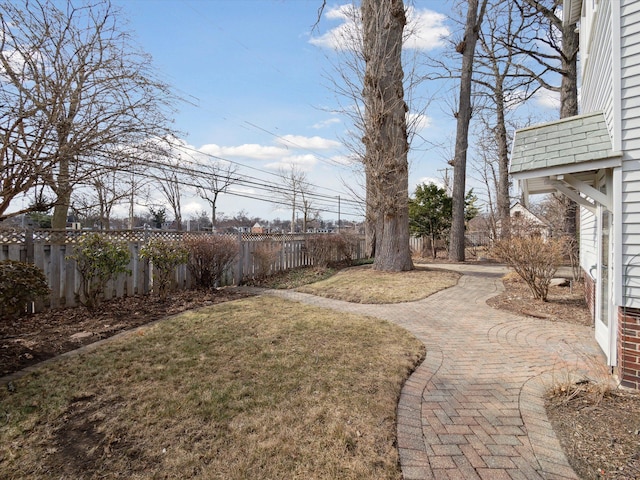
pixel 365 285
pixel 255 388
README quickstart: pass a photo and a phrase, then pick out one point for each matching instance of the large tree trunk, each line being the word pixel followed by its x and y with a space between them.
pixel 569 108
pixel 385 136
pixel 62 189
pixel 467 48
pixel 502 198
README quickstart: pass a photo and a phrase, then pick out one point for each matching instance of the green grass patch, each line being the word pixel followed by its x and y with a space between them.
pixel 257 388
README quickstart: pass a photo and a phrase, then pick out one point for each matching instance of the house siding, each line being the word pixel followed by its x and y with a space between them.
pixel 596 95
pixel 596 91
pixel 630 142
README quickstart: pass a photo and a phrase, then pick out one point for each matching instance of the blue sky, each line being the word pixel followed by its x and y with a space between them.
pixel 255 76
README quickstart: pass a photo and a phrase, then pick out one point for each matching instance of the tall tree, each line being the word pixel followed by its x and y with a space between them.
pixel 430 213
pixel 502 84
pixel 347 80
pixel 215 179
pixel 296 192
pixel 385 132
pixel 467 47
pixel 72 89
pixel 559 57
pixel 170 181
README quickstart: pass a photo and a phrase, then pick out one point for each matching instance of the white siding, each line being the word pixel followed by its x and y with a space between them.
pixel 630 122
pixel 596 91
pixel 588 240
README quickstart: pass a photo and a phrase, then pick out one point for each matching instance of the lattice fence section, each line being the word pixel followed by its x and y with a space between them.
pixel 259 255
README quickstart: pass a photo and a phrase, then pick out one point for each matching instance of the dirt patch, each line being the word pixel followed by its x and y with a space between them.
pixel 565 304
pixel 600 434
pixel 34 338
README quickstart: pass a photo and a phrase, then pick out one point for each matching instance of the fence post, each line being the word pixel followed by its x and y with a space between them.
pixel 240 260
pixel 28 243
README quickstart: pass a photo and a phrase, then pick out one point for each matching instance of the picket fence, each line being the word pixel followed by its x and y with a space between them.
pixel 50 250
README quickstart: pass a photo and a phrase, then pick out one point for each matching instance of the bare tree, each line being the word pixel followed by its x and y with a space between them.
pixel 503 84
pixel 385 132
pixel 101 195
pixel 296 191
pixel 559 57
pixel 215 179
pixel 170 183
pixel 467 47
pixel 72 90
pixel 346 80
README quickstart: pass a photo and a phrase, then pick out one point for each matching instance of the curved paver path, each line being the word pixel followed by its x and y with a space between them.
pixel 474 409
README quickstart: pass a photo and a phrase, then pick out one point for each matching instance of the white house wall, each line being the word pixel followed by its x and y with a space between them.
pixel 588 240
pixel 597 65
pixel 630 143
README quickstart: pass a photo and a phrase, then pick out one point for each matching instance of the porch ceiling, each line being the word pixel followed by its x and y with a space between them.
pixel 564 156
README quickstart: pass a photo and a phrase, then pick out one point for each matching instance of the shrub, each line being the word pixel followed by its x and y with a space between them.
pixel 347 244
pixel 321 248
pixel 98 259
pixel 165 257
pixel 534 260
pixel 20 284
pixel 264 255
pixel 209 257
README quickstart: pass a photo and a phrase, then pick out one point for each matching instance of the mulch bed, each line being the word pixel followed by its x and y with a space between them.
pixel 34 338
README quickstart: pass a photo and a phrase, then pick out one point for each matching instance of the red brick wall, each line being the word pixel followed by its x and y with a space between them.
pixel 629 347
pixel 590 293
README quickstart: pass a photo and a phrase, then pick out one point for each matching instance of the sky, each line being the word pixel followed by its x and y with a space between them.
pixel 256 79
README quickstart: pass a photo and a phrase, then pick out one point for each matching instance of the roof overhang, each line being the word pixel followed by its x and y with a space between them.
pixel 571 11
pixel 565 156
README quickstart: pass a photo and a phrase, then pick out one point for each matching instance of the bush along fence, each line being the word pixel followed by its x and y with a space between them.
pixel 191 259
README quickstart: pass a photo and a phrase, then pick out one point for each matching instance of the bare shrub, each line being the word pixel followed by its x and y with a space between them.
pixel 533 258
pixel 209 258
pixel 321 248
pixel 264 255
pixel 572 252
pixel 347 244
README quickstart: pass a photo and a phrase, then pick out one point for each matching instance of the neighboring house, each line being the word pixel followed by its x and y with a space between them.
pixel 523 221
pixel 257 228
pixel 594 158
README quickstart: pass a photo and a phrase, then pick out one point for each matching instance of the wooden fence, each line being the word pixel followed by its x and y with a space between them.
pixel 50 251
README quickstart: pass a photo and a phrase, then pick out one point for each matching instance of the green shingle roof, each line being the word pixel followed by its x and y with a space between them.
pixel 569 141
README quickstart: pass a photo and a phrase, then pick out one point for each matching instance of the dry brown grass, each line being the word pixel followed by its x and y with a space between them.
pixel 255 388
pixel 365 285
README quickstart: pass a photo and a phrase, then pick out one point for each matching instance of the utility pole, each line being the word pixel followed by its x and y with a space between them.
pixel 338 213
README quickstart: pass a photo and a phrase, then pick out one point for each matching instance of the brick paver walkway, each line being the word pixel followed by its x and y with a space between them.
pixel 474 408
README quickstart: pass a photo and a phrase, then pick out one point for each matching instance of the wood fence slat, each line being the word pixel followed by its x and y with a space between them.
pixel 48 250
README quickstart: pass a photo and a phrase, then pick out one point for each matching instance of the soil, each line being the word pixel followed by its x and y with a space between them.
pixel 598 428
pixel 33 338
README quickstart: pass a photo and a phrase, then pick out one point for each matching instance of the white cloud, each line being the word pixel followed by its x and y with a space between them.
pixel 345 36
pixel 418 121
pixel 302 162
pixel 325 123
pixel 428 180
pixel 248 150
pixel 315 142
pixel 546 99
pixel 242 190
pixel 425 29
